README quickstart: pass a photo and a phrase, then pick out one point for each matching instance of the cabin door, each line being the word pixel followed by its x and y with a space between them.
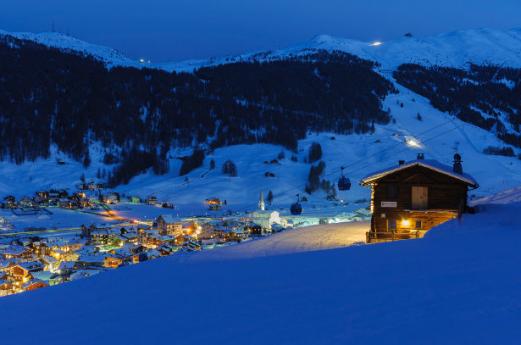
pixel 420 196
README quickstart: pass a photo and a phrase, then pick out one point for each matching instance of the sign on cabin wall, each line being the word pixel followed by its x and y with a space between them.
pixel 389 204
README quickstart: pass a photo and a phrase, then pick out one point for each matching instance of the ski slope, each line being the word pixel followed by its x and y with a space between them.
pixel 458 285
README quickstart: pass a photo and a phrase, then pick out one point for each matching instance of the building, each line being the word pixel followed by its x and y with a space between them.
pixel 409 199
pixel 112 262
pixel 169 225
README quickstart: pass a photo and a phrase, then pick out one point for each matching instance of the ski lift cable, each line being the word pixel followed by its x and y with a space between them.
pixel 364 160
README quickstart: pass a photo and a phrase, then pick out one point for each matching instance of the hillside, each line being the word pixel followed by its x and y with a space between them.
pixel 458 285
pixel 137 127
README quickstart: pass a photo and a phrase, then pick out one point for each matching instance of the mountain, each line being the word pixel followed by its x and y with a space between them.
pixel 367 104
pixel 453 49
pixel 66 43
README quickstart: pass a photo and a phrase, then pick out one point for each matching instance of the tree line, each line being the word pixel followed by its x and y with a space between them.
pixel 53 97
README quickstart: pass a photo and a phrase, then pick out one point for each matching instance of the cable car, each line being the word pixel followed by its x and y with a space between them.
pixel 296 208
pixel 343 182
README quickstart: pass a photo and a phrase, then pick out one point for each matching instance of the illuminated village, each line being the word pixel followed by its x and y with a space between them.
pixel 32 260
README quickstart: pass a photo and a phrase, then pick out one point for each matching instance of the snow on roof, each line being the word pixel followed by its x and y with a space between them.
pixel 12 250
pixel 429 164
pixel 4 264
pixel 31 265
pixel 168 218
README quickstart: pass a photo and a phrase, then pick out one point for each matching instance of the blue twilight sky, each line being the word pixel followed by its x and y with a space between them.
pixel 168 30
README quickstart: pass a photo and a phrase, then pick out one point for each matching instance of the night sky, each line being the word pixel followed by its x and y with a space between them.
pixel 169 30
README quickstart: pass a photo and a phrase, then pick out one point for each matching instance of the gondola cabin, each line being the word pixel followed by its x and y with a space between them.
pixel 409 199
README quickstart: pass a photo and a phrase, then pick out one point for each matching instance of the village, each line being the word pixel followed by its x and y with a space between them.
pixel 40 257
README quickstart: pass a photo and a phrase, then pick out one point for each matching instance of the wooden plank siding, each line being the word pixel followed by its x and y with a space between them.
pixel 447 198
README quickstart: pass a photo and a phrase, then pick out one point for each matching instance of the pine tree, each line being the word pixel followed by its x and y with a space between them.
pixel 229 168
pixel 314 177
pixel 86 159
pixel 315 152
pixel 269 197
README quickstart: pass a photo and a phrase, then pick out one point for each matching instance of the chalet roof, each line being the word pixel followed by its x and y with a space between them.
pixel 429 164
pixel 168 218
pixel 12 250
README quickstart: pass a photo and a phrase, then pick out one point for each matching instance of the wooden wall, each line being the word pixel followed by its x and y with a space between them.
pixel 447 196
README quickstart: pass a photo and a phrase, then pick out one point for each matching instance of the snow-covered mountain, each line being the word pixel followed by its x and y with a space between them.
pixel 436 133
pixel 109 56
pixel 454 49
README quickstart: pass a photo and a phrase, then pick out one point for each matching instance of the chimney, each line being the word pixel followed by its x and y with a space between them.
pixel 457 167
pixel 420 156
pixel 401 162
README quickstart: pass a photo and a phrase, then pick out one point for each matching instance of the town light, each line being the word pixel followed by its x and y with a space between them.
pixel 406 223
pixel 376 43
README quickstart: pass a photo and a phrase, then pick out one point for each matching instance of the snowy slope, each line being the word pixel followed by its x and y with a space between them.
pixel 456 49
pixel 306 239
pixel 453 49
pixel 109 56
pixel 440 135
pixel 459 285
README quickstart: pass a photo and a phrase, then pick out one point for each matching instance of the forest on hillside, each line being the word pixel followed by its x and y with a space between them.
pixel 485 96
pixel 54 97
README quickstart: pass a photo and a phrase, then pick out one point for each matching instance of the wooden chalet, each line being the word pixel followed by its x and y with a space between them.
pixel 409 199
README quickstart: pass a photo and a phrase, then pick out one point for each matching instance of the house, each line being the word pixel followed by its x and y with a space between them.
pixel 14 252
pixel 111 198
pixel 112 262
pixel 151 200
pixel 50 264
pixel 169 225
pixel 134 199
pixel 10 201
pixel 6 287
pixel 18 273
pixel 34 284
pixel 66 267
pixel 410 198
pixel 214 204
pixel 27 202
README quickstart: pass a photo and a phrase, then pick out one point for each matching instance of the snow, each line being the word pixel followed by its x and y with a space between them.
pixel 439 135
pixel 453 49
pixel 109 56
pixel 430 164
pixel 318 237
pixel 458 285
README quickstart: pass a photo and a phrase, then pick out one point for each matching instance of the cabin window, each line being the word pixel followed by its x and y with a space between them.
pixel 420 196
pixel 392 191
pixel 391 224
pixel 418 225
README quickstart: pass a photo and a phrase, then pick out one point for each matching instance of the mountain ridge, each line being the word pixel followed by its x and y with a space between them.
pixel 449 49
